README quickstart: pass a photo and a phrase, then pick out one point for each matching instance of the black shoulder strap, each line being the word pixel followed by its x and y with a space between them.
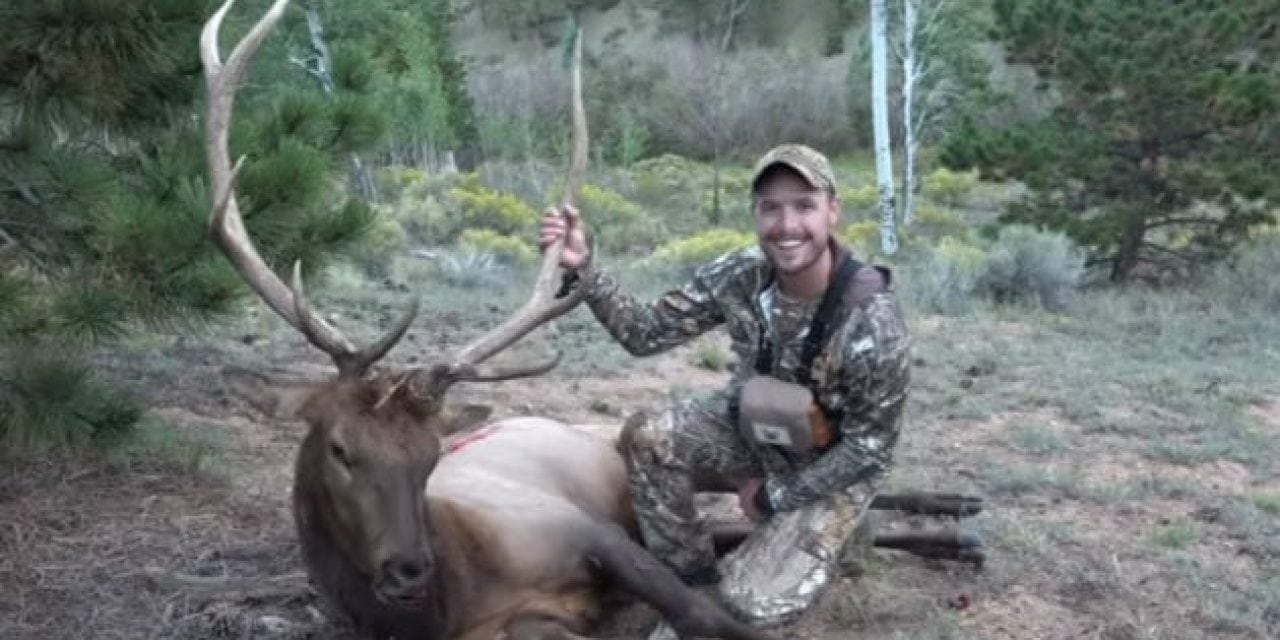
pixel 826 315
pixel 822 320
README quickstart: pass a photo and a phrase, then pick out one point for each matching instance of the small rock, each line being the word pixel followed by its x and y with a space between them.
pixel 1207 514
pixel 274 624
pixel 984 368
pixel 605 408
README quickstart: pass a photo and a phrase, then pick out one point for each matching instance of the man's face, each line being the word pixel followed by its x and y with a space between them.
pixel 793 220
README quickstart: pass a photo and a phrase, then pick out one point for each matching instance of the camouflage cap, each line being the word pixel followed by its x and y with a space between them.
pixel 811 165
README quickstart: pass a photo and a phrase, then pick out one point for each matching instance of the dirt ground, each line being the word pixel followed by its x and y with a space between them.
pixel 88 542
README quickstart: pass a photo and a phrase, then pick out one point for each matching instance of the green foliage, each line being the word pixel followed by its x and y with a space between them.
pixel 620 226
pixel 384 240
pixel 863 237
pixel 469 269
pixel 664 182
pixel 103 186
pixel 1026 265
pixel 1158 148
pixel 1248 279
pixel 510 249
pixel 486 208
pixel 1175 536
pixel 934 221
pixel 702 248
pixel 402 53
pixel 48 397
pixel 945 280
pixel 1267 502
pixel 948 187
pixel 859 199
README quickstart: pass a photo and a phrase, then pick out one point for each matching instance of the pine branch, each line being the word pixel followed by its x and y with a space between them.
pixel 1164 222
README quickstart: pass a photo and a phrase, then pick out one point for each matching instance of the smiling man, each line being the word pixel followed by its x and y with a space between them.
pixel 806 428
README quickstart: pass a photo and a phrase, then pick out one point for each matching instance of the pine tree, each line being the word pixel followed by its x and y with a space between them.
pixel 420 82
pixel 103 198
pixel 1162 147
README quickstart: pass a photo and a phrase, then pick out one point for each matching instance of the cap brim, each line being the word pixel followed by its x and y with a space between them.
pixel 804 172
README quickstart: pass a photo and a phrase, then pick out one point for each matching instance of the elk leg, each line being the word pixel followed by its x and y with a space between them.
pixel 538 628
pixel 632 567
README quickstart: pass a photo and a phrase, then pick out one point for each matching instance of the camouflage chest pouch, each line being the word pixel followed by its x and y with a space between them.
pixel 783 414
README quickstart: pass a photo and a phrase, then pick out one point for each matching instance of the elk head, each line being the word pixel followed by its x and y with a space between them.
pixel 374 436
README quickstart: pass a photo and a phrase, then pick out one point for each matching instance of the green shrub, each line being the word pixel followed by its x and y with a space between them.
pixel 1175 536
pixel 481 207
pixel 1249 278
pixel 948 187
pixel 620 226
pixel 656 178
pixel 509 249
pixel 858 199
pixel 384 240
pixel 937 222
pixel 863 237
pixel 945 279
pixel 702 248
pixel 1267 502
pixel 51 398
pixel 424 220
pixel 735 196
pixel 1027 265
pixel 469 268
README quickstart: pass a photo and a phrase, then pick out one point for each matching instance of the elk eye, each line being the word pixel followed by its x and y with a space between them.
pixel 339 454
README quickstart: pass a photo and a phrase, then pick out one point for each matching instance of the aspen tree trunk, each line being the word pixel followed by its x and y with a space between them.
pixel 880 116
pixel 910 78
pixel 320 66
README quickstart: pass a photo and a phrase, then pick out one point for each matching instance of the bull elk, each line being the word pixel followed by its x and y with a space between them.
pixel 522 531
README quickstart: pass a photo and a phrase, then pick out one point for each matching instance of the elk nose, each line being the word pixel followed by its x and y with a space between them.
pixel 405 571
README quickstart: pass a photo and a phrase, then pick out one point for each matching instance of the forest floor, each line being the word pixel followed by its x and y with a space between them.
pixel 1129 471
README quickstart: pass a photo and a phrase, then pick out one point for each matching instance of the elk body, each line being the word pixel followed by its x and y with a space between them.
pixel 521 529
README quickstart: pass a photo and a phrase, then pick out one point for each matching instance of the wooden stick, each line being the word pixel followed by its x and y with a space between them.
pixel 927 503
pixel 289 586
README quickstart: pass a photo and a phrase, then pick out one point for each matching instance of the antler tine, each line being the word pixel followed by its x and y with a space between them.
pixel 227 227
pixel 542 305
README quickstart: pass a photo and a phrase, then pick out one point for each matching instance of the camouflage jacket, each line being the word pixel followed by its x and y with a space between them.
pixel 860 375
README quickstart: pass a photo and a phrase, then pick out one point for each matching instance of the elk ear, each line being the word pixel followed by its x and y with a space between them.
pixel 276 397
pixel 462 418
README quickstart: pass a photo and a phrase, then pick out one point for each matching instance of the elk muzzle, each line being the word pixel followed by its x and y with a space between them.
pixel 403 578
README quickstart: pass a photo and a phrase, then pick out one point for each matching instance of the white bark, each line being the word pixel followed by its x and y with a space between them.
pixel 320 65
pixel 880 117
pixel 910 141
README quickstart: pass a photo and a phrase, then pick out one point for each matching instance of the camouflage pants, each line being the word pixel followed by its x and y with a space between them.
pixel 785 564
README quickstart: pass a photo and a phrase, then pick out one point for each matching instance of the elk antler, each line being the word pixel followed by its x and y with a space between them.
pixel 543 305
pixel 226 226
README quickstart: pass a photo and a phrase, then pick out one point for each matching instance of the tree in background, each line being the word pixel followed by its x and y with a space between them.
pixel 880 116
pixel 944 79
pixel 1164 146
pixel 102 200
pixel 403 54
